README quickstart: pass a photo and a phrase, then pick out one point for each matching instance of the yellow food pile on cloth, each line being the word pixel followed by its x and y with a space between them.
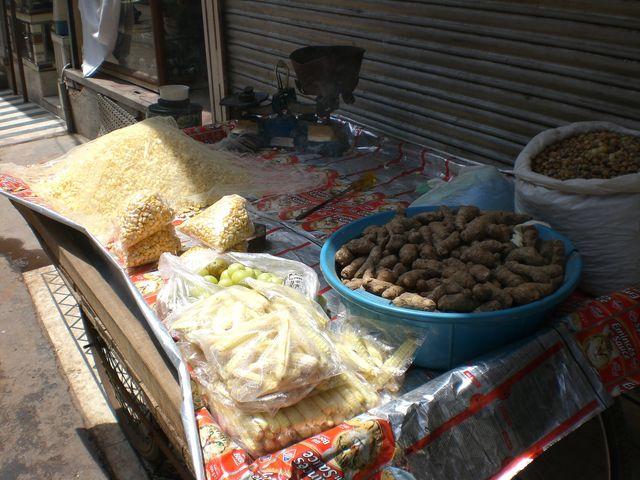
pixel 93 183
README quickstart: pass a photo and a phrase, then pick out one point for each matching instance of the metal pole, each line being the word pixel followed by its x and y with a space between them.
pixel 7 37
pixel 23 82
pixel 73 41
pixel 64 100
pixel 158 41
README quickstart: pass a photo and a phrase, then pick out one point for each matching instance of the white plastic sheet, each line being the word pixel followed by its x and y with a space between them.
pixel 100 20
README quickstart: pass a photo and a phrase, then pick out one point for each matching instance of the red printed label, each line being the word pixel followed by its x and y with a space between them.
pixel 223 459
pixel 353 449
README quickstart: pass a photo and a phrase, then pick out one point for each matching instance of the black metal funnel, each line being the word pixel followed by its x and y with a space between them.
pixel 327 71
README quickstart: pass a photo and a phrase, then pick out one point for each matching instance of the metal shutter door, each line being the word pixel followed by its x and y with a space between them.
pixel 474 77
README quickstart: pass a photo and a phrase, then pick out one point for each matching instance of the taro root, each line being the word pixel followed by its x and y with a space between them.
pixel 453 260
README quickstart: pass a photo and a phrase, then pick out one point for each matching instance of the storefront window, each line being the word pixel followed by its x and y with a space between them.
pixel 160 42
pixel 135 49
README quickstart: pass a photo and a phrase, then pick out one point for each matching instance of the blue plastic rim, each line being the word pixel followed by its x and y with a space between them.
pixel 451 338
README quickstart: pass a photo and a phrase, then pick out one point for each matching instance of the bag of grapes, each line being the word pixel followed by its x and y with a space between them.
pixel 195 274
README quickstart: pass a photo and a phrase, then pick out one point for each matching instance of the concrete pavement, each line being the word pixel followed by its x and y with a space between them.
pixel 43 435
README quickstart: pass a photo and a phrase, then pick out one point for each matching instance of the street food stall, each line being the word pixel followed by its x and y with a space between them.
pixel 292 294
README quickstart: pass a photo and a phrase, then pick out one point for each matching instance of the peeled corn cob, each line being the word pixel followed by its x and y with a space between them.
pixel 223 225
pixel 150 249
pixel 263 433
pixel 396 364
pixel 263 349
pixel 143 216
pixel 378 364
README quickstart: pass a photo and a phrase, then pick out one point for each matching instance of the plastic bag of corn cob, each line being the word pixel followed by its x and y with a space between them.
pixel 328 404
pixel 263 432
pixel 379 353
pixel 266 344
pixel 191 276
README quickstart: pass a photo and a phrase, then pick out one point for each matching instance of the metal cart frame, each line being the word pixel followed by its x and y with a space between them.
pixel 140 382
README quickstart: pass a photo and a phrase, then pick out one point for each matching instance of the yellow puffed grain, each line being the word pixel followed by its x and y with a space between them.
pixel 223 225
pixel 143 216
pixel 150 249
pixel 94 182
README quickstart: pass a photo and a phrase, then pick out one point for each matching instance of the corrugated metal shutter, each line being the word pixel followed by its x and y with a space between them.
pixel 474 77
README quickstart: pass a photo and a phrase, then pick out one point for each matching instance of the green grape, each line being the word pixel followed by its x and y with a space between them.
pixel 265 276
pixel 235 267
pixel 240 275
pixel 225 275
pixel 203 272
pixel 196 291
pixel 210 278
pixel 256 272
pixel 216 267
pixel 225 282
pixel 276 280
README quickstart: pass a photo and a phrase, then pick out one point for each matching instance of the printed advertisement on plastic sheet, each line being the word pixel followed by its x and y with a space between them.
pixel 608 332
pixel 355 450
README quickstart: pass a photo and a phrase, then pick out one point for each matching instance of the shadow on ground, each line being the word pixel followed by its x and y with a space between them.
pixel 21 257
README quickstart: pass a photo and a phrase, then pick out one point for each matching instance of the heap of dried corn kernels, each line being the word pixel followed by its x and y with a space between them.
pixel 222 226
pixel 93 182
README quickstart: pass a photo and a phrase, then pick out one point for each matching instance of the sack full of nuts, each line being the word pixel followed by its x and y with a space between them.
pixel 584 180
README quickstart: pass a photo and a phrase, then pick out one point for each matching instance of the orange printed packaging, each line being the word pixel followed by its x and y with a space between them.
pixel 354 449
pixel 223 459
pixel 611 342
pixel 605 307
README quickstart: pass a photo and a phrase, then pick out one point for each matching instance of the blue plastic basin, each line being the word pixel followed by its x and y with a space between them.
pixel 451 338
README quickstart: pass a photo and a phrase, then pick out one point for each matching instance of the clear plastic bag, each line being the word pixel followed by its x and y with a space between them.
pixel 266 344
pixel 262 433
pixel 151 248
pixel 143 216
pixel 330 403
pixel 483 186
pixel 182 287
pixel 92 183
pixel 295 274
pixel 378 352
pixel 182 275
pixel 222 225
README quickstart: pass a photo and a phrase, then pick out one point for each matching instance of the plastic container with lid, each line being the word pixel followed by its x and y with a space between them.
pixel 174 102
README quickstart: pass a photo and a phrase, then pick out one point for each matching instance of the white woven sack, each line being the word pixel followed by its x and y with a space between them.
pixel 600 216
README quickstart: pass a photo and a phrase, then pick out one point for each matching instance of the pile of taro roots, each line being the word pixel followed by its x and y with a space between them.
pixel 463 260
